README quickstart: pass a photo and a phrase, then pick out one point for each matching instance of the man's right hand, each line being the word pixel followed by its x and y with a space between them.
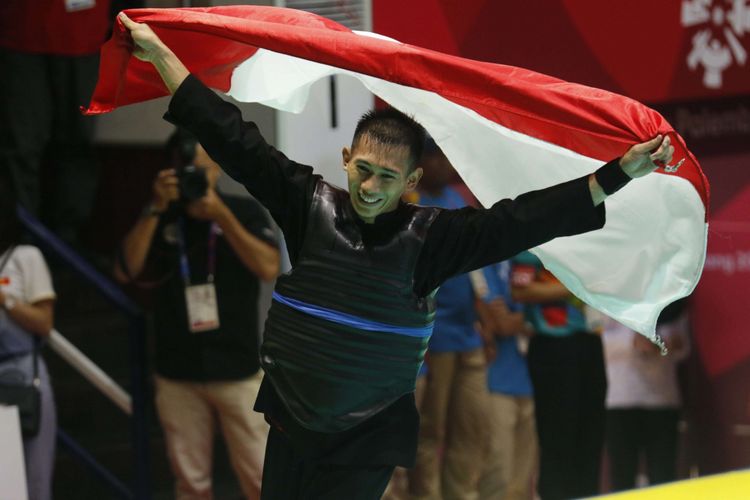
pixel 165 189
pixel 147 46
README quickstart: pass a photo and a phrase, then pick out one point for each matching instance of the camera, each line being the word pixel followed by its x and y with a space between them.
pixel 192 182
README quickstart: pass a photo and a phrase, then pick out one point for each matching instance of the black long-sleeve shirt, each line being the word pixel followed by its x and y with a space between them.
pixel 457 241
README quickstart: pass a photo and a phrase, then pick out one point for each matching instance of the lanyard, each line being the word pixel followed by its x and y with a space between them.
pixel 184 264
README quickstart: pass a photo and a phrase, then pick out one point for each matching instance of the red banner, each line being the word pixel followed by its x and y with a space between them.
pixel 651 51
pixel 719 305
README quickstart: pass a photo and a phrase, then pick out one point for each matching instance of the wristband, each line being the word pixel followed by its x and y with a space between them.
pixel 611 177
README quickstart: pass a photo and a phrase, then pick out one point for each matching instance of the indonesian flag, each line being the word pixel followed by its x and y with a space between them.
pixel 506 130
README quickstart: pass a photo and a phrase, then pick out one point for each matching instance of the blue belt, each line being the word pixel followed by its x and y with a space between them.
pixel 353 321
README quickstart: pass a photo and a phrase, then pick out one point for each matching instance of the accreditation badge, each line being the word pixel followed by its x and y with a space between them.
pixel 202 308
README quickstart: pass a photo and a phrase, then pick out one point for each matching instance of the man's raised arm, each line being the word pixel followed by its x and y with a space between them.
pixel 149 47
pixel 280 184
pixel 460 241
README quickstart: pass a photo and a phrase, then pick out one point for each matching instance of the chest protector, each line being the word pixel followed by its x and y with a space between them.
pixel 333 374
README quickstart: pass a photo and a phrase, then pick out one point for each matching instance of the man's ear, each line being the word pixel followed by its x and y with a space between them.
pixel 346 155
pixel 413 179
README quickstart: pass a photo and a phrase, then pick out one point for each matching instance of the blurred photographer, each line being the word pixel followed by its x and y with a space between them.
pixel 204 253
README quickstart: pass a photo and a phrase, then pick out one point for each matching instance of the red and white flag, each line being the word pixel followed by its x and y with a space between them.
pixel 505 129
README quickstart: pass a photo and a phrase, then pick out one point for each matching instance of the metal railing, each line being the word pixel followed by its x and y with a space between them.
pixel 90 371
pixel 135 405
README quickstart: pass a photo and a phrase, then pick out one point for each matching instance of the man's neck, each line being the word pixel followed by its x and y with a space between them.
pixel 383 216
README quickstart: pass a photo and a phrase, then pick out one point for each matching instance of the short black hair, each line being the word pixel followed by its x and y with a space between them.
pixel 11 229
pixel 391 127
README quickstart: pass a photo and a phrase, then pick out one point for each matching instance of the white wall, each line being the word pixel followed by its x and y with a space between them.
pixel 309 138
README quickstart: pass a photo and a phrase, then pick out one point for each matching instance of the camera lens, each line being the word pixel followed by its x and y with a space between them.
pixel 193 183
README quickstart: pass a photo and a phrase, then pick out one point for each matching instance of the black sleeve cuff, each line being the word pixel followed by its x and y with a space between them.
pixel 611 177
pixel 178 111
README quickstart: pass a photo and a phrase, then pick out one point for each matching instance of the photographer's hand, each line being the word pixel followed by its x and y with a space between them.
pixel 165 189
pixel 138 241
pixel 254 253
pixel 210 207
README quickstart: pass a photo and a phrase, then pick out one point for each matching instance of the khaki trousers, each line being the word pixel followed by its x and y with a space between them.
pixel 189 414
pixel 513 449
pixel 453 425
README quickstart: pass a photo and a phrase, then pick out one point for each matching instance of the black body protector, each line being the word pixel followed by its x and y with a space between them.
pixel 332 375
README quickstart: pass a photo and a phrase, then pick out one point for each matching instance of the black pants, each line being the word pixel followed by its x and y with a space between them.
pixel 289 475
pixel 40 97
pixel 570 386
pixel 631 432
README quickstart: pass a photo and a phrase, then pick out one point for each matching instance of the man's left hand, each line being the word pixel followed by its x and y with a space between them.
pixel 210 207
pixel 642 159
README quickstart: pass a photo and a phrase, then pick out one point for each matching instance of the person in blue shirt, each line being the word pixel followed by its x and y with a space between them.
pixel 512 454
pixel 452 413
pixel 566 364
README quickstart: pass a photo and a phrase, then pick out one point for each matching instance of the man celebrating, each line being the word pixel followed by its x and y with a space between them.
pixel 349 325
pixel 207 252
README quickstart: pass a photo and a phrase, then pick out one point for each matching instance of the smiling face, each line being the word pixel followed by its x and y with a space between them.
pixel 378 175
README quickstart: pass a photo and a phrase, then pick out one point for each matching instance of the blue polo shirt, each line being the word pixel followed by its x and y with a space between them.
pixel 454 321
pixel 508 373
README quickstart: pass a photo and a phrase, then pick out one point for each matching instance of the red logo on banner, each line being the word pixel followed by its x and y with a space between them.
pixel 661 51
pixel 718 40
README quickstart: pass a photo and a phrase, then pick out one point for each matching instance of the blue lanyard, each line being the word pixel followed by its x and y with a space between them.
pixel 184 264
